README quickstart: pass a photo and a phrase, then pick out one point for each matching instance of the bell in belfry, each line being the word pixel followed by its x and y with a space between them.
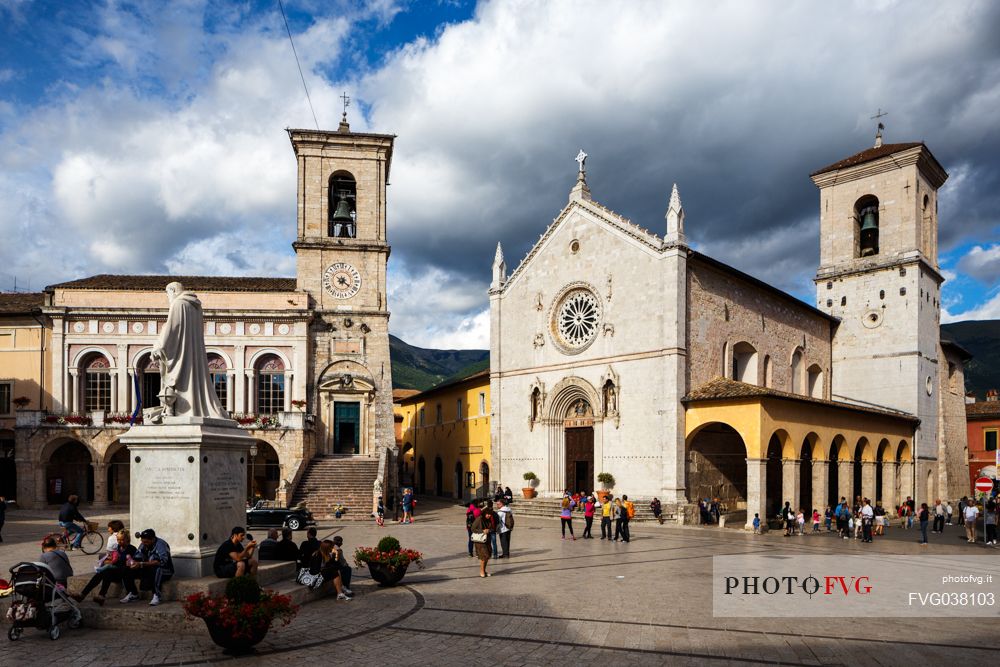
pixel 343 220
pixel 869 231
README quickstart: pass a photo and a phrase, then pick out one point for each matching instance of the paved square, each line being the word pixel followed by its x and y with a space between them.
pixel 554 603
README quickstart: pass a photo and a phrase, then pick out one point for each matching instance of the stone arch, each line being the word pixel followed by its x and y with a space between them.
pixel 839 461
pixel 745 363
pixel 567 392
pixel 814 381
pixel 259 354
pixel 903 452
pixel 864 469
pixel 223 355
pixel 342 185
pixel 810 451
pixel 716 464
pixel 263 471
pixel 904 470
pixel 573 439
pixel 91 350
pixel 796 364
pixel 775 472
pixel 117 470
pixel 68 469
pixel 866 226
pixel 788 449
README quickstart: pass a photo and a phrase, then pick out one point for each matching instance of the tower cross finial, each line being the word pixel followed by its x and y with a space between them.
pixel 581 159
pixel 347 103
pixel 878 131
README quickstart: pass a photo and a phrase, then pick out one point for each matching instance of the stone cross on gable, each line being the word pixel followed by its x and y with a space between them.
pixel 581 158
pixel 347 102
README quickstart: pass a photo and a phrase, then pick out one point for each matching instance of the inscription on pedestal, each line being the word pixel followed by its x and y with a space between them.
pixel 168 484
pixel 225 493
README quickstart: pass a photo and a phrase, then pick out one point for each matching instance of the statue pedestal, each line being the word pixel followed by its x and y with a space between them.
pixel 189 484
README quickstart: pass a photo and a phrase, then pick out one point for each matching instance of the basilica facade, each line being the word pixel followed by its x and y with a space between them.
pixel 616 349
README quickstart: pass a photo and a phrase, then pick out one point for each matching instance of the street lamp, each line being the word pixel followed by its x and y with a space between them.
pixel 253 465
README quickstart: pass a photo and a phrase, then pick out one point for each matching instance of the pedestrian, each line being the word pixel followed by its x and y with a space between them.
pixel 949 511
pixel 971 512
pixel 990 521
pixel 904 509
pixel 843 519
pixel 800 522
pixel 471 514
pixel 232 559
pixel 828 518
pixel 880 520
pixel 867 519
pixel 69 514
pixel 961 510
pixel 911 506
pixel 505 524
pixel 788 516
pixel 924 516
pixel 380 512
pixel 756 524
pixel 607 507
pixel 815 520
pixel 627 510
pixel 656 509
pixel 152 565
pixel 939 512
pixel 345 570
pixel 588 517
pixel 3 513
pixel 482 526
pixel 566 516
pixel 495 533
pixel 407 506
pixel 617 513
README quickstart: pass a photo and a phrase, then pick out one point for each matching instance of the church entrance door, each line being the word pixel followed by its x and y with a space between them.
pixel 580 459
pixel 346 427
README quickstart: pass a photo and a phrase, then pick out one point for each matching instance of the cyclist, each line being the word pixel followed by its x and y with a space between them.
pixel 70 513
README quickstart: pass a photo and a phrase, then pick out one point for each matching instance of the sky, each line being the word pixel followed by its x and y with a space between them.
pixel 148 137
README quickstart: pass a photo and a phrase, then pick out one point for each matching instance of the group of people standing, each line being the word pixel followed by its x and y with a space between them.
pixel 616 511
pixel 488 529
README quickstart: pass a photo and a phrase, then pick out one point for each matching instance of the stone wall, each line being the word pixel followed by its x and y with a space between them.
pixel 953 446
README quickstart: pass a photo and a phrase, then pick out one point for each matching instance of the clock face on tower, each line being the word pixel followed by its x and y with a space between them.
pixel 342 280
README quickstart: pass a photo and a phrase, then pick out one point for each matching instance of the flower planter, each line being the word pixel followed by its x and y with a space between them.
pixel 387 575
pixel 223 636
pixel 529 492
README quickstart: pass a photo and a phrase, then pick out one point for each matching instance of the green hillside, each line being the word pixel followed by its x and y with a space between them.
pixel 419 368
pixel 982 339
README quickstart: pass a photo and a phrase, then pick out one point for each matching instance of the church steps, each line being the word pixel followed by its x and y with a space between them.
pixel 330 481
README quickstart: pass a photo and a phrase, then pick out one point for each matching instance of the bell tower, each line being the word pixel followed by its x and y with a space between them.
pixel 879 276
pixel 341 255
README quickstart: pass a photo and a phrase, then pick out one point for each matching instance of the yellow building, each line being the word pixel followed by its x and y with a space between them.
pixel 446 438
pixel 25 372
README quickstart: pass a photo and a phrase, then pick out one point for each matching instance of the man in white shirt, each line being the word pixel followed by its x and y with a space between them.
pixel 948 510
pixel 970 512
pixel 867 516
pixel 939 512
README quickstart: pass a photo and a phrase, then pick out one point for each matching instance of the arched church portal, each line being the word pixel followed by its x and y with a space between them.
pixel 579 444
pixel 574 435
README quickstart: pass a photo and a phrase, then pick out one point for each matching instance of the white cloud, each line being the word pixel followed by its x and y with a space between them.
pixel 988 310
pixel 982 263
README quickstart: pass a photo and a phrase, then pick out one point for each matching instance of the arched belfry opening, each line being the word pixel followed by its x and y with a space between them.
pixel 866 226
pixel 343 206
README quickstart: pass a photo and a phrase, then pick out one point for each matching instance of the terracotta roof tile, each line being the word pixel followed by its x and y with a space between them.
pixel 723 388
pixel 193 283
pixel 19 303
pixel 400 394
pixel 868 155
pixel 983 410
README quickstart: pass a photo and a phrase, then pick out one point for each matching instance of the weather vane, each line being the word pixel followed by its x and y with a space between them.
pixel 878 131
pixel 347 103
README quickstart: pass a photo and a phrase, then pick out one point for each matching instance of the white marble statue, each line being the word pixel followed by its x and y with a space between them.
pixel 186 388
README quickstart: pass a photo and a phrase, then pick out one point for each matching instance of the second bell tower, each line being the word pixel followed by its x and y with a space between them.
pixel 341 256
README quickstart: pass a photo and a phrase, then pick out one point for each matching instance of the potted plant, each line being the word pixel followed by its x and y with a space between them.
pixel 607 481
pixel 532 480
pixel 20 402
pixel 299 404
pixel 388 561
pixel 241 617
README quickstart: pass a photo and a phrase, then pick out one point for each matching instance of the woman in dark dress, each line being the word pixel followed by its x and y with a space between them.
pixel 484 524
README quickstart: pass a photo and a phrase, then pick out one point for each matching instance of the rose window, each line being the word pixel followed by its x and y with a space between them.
pixel 577 318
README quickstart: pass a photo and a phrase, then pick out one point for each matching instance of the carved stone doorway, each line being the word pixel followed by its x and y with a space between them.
pixel 580 459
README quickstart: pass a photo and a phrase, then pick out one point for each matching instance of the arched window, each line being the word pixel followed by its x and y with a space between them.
pixel 745 363
pixel 149 381
pixel 343 196
pixel 796 371
pixel 866 226
pixel 270 385
pixel 97 384
pixel 219 377
pixel 815 381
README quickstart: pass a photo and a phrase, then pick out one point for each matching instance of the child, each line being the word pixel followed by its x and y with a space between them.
pixel 815 520
pixel 380 513
pixel 828 513
pixel 800 521
pixel 756 524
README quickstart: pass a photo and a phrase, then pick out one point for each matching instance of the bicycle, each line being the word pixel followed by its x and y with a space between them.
pixel 91 542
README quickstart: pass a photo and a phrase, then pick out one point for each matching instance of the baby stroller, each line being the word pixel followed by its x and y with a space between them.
pixel 38 602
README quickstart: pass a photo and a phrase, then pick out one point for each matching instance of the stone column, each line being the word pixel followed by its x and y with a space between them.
pixel 114 389
pixel 906 480
pixel 129 402
pixel 100 485
pixel 251 397
pixel 239 373
pixel 821 484
pixel 868 480
pixel 288 391
pixel 757 492
pixel 230 382
pixel 845 480
pixel 74 389
pixel 790 473
pixel 889 498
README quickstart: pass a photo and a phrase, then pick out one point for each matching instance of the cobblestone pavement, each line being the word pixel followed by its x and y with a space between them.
pixel 554 603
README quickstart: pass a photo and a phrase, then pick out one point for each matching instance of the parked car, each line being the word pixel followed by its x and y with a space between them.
pixel 267 513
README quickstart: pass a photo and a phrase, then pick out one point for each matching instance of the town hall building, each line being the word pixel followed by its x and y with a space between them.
pixel 615 349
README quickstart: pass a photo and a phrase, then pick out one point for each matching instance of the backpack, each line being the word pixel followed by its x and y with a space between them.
pixel 630 508
pixel 508 520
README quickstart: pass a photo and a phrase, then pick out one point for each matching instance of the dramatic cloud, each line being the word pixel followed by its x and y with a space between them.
pixel 173 157
pixel 983 264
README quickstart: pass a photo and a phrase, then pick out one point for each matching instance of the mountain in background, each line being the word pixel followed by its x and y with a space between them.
pixel 982 339
pixel 419 368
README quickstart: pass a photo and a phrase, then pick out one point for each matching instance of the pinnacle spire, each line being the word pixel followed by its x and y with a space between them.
pixel 675 218
pixel 499 269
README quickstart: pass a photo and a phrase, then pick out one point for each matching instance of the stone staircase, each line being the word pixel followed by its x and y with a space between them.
pixel 338 480
pixel 550 507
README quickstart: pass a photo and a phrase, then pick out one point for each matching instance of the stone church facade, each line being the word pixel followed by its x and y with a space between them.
pixel 302 363
pixel 614 349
